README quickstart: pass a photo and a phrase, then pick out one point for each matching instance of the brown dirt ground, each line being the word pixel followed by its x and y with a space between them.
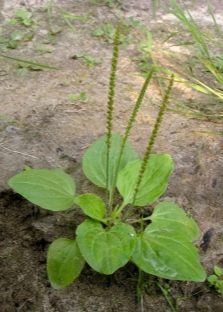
pixel 40 127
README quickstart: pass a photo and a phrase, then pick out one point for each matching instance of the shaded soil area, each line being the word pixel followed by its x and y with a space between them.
pixel 44 124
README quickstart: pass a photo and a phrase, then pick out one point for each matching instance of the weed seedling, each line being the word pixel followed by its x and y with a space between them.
pixel 216 280
pixel 70 18
pixel 87 59
pixel 160 243
pixel 17 37
pixel 42 49
pixel 23 17
pixel 81 97
pixel 107 32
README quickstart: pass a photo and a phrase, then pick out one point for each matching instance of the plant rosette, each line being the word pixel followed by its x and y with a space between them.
pixel 161 244
pixel 107 242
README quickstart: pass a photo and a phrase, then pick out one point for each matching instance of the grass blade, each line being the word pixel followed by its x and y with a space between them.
pixel 32 63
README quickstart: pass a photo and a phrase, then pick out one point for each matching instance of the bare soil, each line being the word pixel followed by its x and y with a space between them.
pixel 41 127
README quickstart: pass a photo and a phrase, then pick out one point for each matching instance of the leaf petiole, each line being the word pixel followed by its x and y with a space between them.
pixel 119 209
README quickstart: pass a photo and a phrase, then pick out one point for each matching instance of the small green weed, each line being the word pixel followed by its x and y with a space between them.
pixel 42 49
pixel 22 68
pixel 16 37
pixel 50 39
pixel 81 97
pixel 87 59
pixel 107 32
pixel 216 280
pixel 22 17
pixel 69 18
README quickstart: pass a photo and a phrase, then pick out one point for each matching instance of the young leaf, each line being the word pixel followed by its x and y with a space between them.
pixel 24 17
pixel 105 250
pixel 154 181
pixel 64 262
pixel 212 279
pixel 218 271
pixel 92 205
pixel 95 160
pixel 167 251
pixel 49 189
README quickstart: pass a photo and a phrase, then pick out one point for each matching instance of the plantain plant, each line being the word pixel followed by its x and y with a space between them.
pixel 161 244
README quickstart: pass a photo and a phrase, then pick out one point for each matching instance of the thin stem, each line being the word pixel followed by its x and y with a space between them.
pixel 138 220
pixel 130 124
pixel 153 137
pixel 110 103
pixel 119 210
pixel 140 284
pixel 167 297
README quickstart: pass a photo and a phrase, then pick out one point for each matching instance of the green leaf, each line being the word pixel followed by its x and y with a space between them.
pixel 212 279
pixel 219 287
pixel 82 97
pixel 167 251
pixel 153 184
pixel 16 35
pixel 24 17
pixel 49 189
pixel 23 14
pixel 95 160
pixel 12 44
pixel 92 205
pixel 98 33
pixel 218 271
pixel 64 262
pixel 105 250
pixel 172 218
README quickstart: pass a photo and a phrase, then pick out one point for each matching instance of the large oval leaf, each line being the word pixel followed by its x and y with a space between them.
pixel 49 189
pixel 105 250
pixel 172 218
pixel 92 205
pixel 167 250
pixel 153 184
pixel 64 262
pixel 95 160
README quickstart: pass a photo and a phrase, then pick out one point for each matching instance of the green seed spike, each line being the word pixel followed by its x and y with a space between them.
pixel 153 136
pixel 132 119
pixel 111 95
pixel 136 108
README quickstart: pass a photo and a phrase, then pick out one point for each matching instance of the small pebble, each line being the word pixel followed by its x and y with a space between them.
pixel 12 129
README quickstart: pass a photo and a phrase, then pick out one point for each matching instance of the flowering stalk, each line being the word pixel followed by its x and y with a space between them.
pixel 153 136
pixel 110 104
pixel 131 122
